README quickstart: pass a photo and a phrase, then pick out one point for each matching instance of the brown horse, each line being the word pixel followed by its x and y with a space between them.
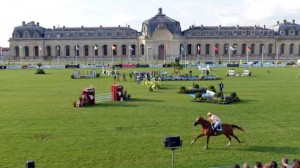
pixel 227 130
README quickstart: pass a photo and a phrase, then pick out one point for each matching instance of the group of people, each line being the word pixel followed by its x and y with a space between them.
pixel 284 164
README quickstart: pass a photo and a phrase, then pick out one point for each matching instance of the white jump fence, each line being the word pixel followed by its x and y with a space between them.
pixel 99 98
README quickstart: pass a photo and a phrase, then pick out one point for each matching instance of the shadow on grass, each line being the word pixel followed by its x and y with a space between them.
pixel 245 101
pixel 112 104
pixel 144 100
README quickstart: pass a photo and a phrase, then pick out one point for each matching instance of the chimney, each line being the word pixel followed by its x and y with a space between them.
pixel 37 23
pixel 128 26
pixel 100 26
pixel 23 23
pixel 264 26
pixel 220 26
pixel 64 27
pixel 284 21
pixel 53 27
pixel 278 22
pixel 237 26
pixel 82 27
pixel 293 21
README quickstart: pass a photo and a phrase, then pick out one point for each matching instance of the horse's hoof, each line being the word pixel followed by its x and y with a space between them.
pixel 192 141
pixel 205 148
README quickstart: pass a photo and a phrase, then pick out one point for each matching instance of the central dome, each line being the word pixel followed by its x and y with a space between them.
pixel 160 20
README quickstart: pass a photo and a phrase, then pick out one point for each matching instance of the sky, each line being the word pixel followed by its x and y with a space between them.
pixel 112 13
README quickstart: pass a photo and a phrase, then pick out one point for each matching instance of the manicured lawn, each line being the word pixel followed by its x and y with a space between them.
pixel 38 121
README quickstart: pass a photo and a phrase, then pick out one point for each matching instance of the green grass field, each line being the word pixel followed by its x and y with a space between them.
pixel 38 121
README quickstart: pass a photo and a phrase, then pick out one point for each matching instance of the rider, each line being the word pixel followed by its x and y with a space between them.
pixel 215 121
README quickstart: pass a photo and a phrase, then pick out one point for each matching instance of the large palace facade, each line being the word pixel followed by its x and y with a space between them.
pixel 161 39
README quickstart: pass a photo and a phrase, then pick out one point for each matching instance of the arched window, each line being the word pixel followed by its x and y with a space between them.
pixel 142 49
pixel 132 49
pixel 104 47
pixel 181 49
pixel 67 50
pixel 261 49
pixel 36 51
pixel 244 48
pixel 96 50
pixel 76 49
pixel 189 49
pixel 123 49
pixel 114 49
pixel 57 49
pixel 198 49
pixel 291 49
pixel 252 48
pixel 282 49
pixel 48 51
pixel 17 50
pixel 225 49
pixel 86 50
pixel 270 48
pixel 299 50
pixel 216 49
pixel 207 49
pixel 26 49
pixel 235 46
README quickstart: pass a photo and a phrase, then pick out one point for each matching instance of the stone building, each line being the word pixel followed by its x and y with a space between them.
pixel 161 39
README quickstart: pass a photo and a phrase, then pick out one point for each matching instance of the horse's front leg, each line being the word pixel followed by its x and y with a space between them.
pixel 193 141
pixel 207 141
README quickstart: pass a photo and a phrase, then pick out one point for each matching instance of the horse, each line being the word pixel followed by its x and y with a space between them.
pixel 227 130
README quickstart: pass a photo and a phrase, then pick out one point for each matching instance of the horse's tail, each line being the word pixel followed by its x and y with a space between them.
pixel 237 127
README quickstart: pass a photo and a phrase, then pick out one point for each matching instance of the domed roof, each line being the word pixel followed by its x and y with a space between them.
pixel 32 28
pixel 286 28
pixel 160 20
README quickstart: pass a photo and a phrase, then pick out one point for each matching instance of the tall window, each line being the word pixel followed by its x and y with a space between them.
pixel 96 50
pixel 189 49
pixel 235 46
pixel 291 49
pixel 57 50
pixel 36 51
pixel 26 48
pixel 48 51
pixel 244 48
pixel 207 49
pixel 123 49
pixel 252 48
pixel 104 50
pixel 133 49
pixel 198 49
pixel 142 49
pixel 67 50
pixel 225 49
pixel 17 50
pixel 270 48
pixel 261 49
pixel 181 49
pixel 216 49
pixel 115 49
pixel 86 50
pixel 282 49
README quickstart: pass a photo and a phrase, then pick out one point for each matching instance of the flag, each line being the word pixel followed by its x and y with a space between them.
pixel 231 48
pixel 40 48
pixel 182 48
pixel 77 47
pixel 113 47
pixel 130 48
pixel 57 47
pixel 20 47
pixel 198 47
pixel 249 49
pixel 95 47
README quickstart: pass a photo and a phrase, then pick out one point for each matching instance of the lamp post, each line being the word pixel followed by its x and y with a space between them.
pixel 148 54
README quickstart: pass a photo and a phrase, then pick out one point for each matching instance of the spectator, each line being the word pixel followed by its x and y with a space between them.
pixel 221 86
pixel 274 164
pixel 285 162
pixel 130 75
pixel 124 77
pixel 258 165
pixel 296 163
pixel 236 166
pixel 246 165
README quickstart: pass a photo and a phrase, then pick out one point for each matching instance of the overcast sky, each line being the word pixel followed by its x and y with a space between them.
pixel 93 13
